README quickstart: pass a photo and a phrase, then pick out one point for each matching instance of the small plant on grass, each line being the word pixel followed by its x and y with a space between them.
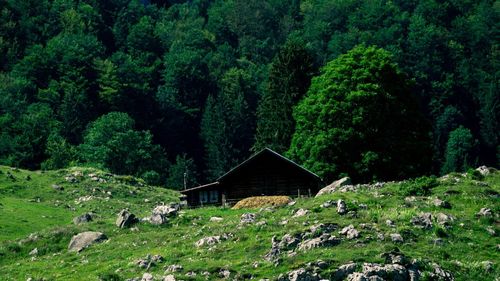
pixel 474 174
pixel 419 187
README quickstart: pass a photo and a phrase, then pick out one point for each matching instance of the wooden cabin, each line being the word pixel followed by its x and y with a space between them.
pixel 265 173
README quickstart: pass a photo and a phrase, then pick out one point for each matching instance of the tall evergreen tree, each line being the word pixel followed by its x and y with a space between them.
pixel 289 78
pixel 460 151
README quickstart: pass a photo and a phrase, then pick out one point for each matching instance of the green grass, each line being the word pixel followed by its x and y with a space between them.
pixel 466 243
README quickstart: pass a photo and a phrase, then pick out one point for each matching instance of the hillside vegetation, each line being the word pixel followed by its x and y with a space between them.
pixel 37 208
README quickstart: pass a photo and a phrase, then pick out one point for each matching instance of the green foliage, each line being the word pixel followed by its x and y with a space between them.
pixel 289 78
pixel 182 173
pixel 460 151
pixel 111 142
pixel 418 187
pixel 347 122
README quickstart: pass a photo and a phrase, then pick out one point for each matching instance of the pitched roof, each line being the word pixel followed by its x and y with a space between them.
pixel 249 160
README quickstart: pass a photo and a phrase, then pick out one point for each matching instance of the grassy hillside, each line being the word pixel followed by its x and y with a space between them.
pixel 35 214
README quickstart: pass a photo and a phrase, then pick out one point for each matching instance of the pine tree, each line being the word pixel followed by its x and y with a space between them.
pixel 289 78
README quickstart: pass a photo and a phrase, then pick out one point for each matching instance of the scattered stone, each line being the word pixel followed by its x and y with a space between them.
pixel 343 271
pixel 83 240
pixel 85 218
pixel 274 253
pixel 247 218
pixel 485 212
pixel 289 241
pixel 328 204
pixel 441 274
pixel 174 268
pixel 300 212
pixel 363 206
pixel 161 214
pixel 423 220
pixel 211 240
pixel 441 203
pixel 325 240
pixel 299 275
pixel 216 219
pixel 484 171
pixel 350 232
pixel 224 273
pixel 390 223
pixel 444 219
pixel 341 207
pixel 334 186
pixel 125 219
pixel 396 238
pixel 34 252
pixel 491 231
pixel 147 277
pixel 380 237
pixel 57 187
pixel 487 266
pixel 169 277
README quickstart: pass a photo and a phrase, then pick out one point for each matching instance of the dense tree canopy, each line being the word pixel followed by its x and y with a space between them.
pixel 208 80
pixel 359 119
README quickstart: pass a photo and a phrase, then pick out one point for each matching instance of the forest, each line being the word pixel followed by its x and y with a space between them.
pixel 175 91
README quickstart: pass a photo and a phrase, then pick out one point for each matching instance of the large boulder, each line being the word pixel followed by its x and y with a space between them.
pixel 125 219
pixel 341 207
pixel 84 240
pixel 334 186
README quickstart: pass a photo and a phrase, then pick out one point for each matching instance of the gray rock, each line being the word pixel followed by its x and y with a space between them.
pixel 289 241
pixel 169 277
pixel 441 203
pixel 343 271
pixel 161 214
pixel 328 204
pixel 341 207
pixel 57 187
pixel 390 223
pixel 174 268
pixel 34 252
pixel 423 220
pixel 441 274
pixel 274 253
pixel 325 240
pixel 216 219
pixel 299 275
pixel 83 240
pixel 395 272
pixel 211 240
pixel 300 213
pixel 85 218
pixel 357 276
pixel 247 218
pixel 350 232
pixel 483 170
pixel 147 277
pixel 397 238
pixel 334 186
pixel 444 219
pixel 485 212
pixel 125 219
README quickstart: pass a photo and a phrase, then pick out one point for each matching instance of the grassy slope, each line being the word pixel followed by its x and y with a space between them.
pixel 466 246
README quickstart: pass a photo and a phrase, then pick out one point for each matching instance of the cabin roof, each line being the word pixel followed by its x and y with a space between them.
pixel 247 162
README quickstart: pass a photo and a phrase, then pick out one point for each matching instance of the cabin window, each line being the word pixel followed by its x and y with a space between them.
pixel 214 196
pixel 203 197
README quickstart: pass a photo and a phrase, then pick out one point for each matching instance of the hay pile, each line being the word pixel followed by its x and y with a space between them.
pixel 262 201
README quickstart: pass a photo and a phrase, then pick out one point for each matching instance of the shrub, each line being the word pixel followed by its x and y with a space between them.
pixel 474 174
pixel 419 187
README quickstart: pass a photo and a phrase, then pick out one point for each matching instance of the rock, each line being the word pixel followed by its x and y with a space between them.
pixel 174 268
pixel 57 187
pixel 328 204
pixel 161 214
pixel 34 252
pixel 325 240
pixel 300 213
pixel 380 237
pixel 484 171
pixel 247 218
pixel 321 228
pixel 334 186
pixel 273 254
pixel 169 277
pixel 216 219
pixel 211 240
pixel 395 257
pixel 444 219
pixel 423 220
pixel 441 274
pixel 441 203
pixel 85 218
pixel 350 232
pixel 358 276
pixel 491 231
pixel 224 273
pixel 395 272
pixel 397 238
pixel 487 265
pixel 289 242
pixel 125 219
pixel 343 271
pixel 341 207
pixel 299 275
pixel 147 277
pixel 84 240
pixel 390 223
pixel 485 212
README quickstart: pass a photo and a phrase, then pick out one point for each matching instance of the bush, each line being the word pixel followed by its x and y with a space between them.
pixel 474 174
pixel 419 187
pixel 152 178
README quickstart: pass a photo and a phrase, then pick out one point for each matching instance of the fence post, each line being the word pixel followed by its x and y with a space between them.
pixel 298 193
pixel 223 200
pixel 309 190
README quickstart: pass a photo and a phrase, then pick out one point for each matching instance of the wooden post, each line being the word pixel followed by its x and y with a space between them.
pixel 309 190
pixel 298 193
pixel 223 200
